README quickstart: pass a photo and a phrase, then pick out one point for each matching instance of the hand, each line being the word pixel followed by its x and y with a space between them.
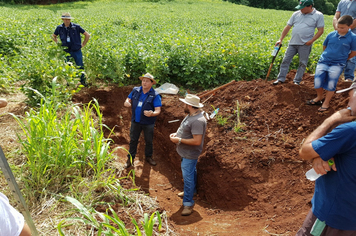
pixel 148 113
pixel 173 137
pixel 278 43
pixel 309 43
pixel 322 167
pixel 127 104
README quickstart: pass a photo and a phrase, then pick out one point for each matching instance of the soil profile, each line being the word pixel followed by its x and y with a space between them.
pixel 250 182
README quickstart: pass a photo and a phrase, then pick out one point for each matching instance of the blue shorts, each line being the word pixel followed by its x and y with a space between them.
pixel 326 76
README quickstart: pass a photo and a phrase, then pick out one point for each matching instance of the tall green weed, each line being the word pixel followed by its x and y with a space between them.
pixel 63 143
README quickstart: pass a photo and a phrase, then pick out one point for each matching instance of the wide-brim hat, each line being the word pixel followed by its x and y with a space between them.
pixel 353 86
pixel 149 76
pixel 192 100
pixel 66 16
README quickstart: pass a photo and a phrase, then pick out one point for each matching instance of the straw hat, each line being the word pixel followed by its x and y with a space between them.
pixel 192 100
pixel 149 76
pixel 66 16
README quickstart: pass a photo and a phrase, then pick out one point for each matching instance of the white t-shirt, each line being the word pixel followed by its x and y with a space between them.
pixel 11 221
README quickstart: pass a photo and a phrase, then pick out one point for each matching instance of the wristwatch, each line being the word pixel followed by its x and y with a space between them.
pixel 179 141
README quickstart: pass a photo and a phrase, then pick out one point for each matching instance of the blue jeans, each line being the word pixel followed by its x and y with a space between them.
pixel 189 172
pixel 303 52
pixel 350 68
pixel 77 56
pixel 135 132
pixel 327 75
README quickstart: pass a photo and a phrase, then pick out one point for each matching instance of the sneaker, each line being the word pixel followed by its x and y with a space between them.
pixel 277 82
pixel 128 163
pixel 181 194
pixel 151 161
pixel 296 83
pixel 187 210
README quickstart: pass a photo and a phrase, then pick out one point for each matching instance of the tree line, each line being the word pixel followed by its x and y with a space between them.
pixel 327 7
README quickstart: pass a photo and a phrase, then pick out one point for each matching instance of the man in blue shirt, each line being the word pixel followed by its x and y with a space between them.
pixel 339 46
pixel 69 33
pixel 146 105
pixel 333 204
pixel 347 7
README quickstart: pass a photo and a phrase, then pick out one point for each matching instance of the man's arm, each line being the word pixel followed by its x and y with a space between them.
pixel 195 141
pixel 54 37
pixel 316 36
pixel 335 19
pixel 150 113
pixel 351 55
pixel 284 34
pixel 86 39
pixel 307 152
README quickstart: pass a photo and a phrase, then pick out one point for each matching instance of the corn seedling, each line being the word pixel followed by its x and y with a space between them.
pixel 238 125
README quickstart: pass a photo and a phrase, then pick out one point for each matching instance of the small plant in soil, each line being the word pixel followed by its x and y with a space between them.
pixel 238 124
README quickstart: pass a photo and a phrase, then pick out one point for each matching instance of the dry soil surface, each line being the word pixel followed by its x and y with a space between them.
pixel 250 182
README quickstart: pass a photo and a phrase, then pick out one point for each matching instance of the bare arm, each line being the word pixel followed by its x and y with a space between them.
pixel 351 55
pixel 316 36
pixel 54 37
pixel 335 19
pixel 150 113
pixel 86 39
pixel 284 34
pixel 195 141
pixel 307 152
pixel 25 231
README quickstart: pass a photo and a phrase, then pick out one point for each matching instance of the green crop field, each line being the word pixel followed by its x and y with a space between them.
pixel 191 43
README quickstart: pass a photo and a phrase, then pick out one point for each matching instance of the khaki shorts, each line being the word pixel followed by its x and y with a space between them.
pixel 327 231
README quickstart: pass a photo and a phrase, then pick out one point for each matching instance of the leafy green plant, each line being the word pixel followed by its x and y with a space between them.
pixel 108 224
pixel 221 120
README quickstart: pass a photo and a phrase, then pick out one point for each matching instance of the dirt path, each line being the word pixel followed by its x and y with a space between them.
pixel 249 183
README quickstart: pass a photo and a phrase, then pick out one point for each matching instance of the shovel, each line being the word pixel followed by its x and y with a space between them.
pixel 274 57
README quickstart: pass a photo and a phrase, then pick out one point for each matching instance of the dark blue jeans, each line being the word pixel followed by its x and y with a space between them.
pixel 78 58
pixel 135 132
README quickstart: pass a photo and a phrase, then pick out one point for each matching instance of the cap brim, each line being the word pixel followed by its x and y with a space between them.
pixel 299 7
pixel 183 100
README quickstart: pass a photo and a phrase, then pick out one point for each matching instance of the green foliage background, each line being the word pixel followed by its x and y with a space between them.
pixel 325 6
pixel 199 44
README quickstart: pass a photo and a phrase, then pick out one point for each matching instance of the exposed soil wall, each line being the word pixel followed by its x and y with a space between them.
pixel 255 174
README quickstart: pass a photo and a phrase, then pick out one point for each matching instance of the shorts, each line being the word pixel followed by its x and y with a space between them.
pixel 327 76
pixel 327 231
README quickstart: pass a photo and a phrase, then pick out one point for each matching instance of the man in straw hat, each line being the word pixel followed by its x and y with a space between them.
pixel 333 204
pixel 69 33
pixel 146 105
pixel 190 139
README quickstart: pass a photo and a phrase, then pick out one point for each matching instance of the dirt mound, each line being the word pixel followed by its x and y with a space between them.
pixel 250 182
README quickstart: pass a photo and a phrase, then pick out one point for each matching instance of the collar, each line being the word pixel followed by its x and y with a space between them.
pixel 342 36
pixel 70 25
pixel 148 90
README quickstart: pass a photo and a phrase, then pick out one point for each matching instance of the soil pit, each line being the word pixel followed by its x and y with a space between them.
pixel 250 182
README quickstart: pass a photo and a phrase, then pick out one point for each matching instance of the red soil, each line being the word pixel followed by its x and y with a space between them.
pixel 249 183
